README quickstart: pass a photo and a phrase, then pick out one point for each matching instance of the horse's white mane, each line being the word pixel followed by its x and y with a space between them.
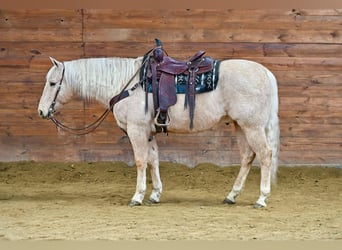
pixel 99 78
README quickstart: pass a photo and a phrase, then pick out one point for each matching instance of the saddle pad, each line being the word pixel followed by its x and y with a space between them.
pixel 205 82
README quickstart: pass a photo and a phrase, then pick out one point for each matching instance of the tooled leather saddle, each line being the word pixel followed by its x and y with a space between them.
pixel 164 77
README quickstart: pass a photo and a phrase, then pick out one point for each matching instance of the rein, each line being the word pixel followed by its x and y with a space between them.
pixel 91 127
pixel 85 130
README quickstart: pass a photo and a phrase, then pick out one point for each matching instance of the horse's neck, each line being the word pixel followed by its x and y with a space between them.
pixel 100 78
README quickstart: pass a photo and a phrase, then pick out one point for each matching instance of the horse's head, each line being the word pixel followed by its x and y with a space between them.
pixel 56 92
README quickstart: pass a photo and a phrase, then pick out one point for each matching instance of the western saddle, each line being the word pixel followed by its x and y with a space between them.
pixel 163 69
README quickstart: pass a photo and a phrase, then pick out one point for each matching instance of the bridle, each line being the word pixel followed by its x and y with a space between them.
pixel 52 106
pixel 94 125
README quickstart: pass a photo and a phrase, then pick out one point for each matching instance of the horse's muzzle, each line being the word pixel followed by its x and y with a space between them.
pixel 42 115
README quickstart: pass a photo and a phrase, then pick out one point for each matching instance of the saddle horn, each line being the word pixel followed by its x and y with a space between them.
pixel 158 52
pixel 158 42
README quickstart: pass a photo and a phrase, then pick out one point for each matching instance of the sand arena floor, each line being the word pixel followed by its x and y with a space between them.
pixel 87 201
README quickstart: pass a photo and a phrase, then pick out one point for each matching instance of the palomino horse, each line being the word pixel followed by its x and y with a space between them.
pixel 246 95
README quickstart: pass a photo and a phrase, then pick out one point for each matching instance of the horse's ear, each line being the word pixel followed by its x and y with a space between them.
pixel 54 61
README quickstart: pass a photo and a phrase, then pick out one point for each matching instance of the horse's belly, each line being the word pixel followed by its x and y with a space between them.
pixel 207 114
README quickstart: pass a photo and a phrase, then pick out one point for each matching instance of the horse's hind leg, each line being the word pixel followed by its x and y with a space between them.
pixel 256 137
pixel 247 156
pixel 154 161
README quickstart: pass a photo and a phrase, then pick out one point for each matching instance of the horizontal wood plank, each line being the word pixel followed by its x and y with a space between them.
pixel 39 50
pixel 218 35
pixel 227 50
pixel 210 19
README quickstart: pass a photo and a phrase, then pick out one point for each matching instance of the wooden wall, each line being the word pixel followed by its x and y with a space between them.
pixel 302 47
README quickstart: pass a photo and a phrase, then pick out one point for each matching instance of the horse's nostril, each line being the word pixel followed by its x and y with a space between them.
pixel 41 113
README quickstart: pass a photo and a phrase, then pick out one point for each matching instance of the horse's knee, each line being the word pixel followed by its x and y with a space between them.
pixel 248 158
pixel 141 164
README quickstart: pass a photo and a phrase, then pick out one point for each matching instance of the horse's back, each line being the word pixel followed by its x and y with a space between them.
pixel 246 79
pixel 244 73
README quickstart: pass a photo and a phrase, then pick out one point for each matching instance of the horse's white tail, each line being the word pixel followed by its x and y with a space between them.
pixel 272 129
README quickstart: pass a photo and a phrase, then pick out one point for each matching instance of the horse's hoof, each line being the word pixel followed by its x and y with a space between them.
pixel 134 203
pixel 228 201
pixel 151 202
pixel 258 206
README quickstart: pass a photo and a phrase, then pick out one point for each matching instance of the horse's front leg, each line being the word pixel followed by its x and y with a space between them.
pixel 140 191
pixel 140 145
pixel 154 161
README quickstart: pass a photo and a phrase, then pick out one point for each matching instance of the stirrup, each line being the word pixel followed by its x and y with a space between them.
pixel 167 121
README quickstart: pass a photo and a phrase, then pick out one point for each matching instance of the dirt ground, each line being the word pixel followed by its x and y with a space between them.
pixel 87 201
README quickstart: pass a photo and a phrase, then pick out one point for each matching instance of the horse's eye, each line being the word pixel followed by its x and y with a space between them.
pixel 52 84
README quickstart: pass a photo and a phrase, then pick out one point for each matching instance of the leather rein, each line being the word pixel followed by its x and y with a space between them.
pixel 94 125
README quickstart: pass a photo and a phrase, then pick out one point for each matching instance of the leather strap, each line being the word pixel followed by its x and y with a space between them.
pixel 121 96
pixel 191 95
pixel 155 87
